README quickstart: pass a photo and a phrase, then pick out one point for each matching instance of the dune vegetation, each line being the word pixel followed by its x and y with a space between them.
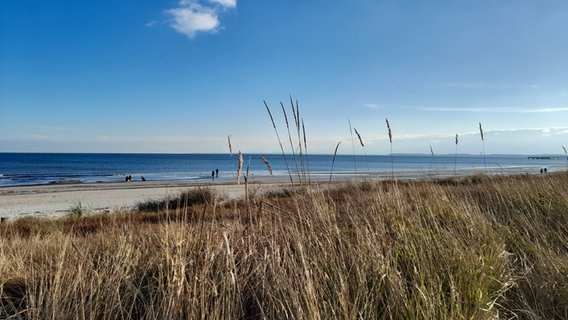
pixel 471 248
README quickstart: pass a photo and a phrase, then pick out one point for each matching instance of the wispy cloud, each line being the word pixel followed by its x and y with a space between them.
pixel 478 109
pixel 151 23
pixel 496 110
pixel 371 106
pixel 546 110
pixel 485 85
pixel 528 130
pixel 192 17
pixel 464 85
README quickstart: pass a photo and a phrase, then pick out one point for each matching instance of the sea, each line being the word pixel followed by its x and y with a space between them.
pixel 18 169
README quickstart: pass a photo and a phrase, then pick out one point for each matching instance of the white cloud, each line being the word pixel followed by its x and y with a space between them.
pixel 225 3
pixel 497 110
pixel 546 110
pixel 191 17
pixel 189 21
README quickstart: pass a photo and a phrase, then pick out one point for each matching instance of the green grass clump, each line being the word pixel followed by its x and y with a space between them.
pixel 484 248
pixel 184 199
pixel 77 210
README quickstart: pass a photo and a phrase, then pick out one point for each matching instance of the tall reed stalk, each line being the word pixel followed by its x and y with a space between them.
pixel 392 155
pixel 363 146
pixel 239 167
pixel 297 149
pixel 306 151
pixel 456 157
pixel 333 160
pixel 247 182
pixel 483 143
pixel 303 150
pixel 292 147
pixel 353 145
pixel 299 129
pixel 279 142
pixel 566 153
pixel 230 146
pixel 266 163
pixel 433 159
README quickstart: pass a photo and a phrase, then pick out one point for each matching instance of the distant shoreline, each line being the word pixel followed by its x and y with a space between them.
pixel 38 169
pixel 324 176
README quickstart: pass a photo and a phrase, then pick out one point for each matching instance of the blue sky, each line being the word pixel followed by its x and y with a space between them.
pixel 180 76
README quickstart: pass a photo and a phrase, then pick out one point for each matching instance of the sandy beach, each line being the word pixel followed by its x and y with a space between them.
pixel 53 200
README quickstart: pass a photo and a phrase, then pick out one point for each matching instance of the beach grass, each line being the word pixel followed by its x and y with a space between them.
pixel 185 199
pixel 473 248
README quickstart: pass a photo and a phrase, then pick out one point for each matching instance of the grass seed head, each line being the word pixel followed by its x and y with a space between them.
pixel 266 163
pixel 230 146
pixel 390 132
pixel 359 136
pixel 239 167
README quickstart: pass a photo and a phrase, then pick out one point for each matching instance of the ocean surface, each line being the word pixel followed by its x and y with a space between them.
pixel 43 168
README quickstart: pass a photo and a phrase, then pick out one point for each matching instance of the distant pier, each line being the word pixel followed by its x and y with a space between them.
pixel 547 157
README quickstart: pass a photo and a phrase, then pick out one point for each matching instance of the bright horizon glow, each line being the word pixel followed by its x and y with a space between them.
pixel 180 76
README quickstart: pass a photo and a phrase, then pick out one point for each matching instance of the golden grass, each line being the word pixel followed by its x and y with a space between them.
pixel 477 248
pixel 266 163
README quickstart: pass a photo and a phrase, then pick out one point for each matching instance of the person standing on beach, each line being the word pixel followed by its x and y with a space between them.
pixel 212 174
pixel 216 173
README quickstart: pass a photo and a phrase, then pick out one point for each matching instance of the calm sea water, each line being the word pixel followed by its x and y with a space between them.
pixel 43 168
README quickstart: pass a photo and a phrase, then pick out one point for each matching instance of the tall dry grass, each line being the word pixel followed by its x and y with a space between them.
pixel 475 248
pixel 298 150
pixel 353 146
pixel 483 143
pixel 456 157
pixel 391 153
pixel 565 153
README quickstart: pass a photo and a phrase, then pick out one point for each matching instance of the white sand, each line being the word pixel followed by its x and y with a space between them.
pixel 58 199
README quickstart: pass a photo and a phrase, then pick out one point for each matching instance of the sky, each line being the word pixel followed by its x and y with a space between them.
pixel 180 76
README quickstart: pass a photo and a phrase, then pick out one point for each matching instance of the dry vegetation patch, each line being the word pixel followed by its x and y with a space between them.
pixel 481 248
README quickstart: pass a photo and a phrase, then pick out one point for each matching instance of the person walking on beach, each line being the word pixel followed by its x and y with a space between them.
pixel 216 173
pixel 212 174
